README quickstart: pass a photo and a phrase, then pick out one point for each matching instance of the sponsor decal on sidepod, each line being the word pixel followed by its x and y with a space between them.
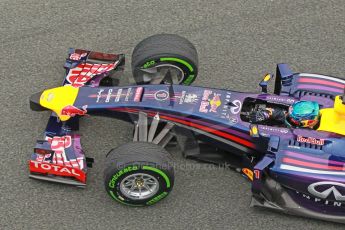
pixel 310 140
pixel 325 189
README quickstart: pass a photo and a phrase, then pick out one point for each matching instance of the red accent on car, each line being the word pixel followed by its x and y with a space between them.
pixel 59 143
pixel 138 93
pixel 77 56
pixel 43 151
pixel 312 165
pixel 59 170
pixel 257 174
pixel 83 72
pixel 321 82
pixel 71 110
pixel 310 140
pixel 201 127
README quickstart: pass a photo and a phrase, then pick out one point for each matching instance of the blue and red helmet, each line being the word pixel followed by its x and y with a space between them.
pixel 304 114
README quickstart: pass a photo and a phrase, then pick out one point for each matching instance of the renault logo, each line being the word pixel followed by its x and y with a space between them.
pixel 324 189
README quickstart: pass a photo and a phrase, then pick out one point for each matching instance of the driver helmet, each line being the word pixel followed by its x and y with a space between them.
pixel 304 114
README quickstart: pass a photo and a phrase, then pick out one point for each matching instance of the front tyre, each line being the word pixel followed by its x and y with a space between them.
pixel 138 174
pixel 165 59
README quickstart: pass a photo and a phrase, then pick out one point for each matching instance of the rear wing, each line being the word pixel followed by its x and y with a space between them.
pixel 84 67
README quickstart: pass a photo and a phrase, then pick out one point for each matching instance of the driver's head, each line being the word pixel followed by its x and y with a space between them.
pixel 303 114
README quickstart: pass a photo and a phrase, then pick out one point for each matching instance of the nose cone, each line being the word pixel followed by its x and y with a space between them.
pixel 55 99
pixel 35 102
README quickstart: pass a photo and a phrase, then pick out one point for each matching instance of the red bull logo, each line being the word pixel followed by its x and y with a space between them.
pixel 72 111
pixel 310 140
pixel 213 104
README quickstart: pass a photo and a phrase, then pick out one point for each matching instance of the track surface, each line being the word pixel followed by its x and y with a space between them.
pixel 238 42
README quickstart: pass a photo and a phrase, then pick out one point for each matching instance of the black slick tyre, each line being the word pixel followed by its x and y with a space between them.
pixel 153 56
pixel 138 174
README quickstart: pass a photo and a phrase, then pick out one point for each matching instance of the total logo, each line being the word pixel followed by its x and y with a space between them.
pixel 57 170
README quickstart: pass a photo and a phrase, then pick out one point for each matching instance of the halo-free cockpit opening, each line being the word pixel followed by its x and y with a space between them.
pixel 252 108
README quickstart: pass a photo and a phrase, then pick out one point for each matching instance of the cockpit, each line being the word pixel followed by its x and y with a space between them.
pixel 253 106
pixel 330 119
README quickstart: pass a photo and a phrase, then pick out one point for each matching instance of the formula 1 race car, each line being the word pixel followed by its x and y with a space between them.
pixel 295 170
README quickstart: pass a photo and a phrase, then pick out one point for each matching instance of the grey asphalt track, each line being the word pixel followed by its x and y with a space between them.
pixel 237 41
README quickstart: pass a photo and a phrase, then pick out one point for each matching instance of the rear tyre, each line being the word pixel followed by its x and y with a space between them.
pixel 138 174
pixel 159 54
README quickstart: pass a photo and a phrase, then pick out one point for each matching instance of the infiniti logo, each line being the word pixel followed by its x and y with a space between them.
pixel 237 107
pixel 324 189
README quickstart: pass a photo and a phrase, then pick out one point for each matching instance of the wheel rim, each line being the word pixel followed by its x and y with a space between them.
pixel 139 186
pixel 164 73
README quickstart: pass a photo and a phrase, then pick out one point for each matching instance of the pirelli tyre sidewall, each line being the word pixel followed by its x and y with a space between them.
pixel 165 51
pixel 138 160
pixel 189 69
pixel 113 183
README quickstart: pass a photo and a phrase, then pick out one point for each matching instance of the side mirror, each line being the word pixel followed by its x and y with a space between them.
pixel 254 131
pixel 273 144
pixel 263 84
pixel 343 97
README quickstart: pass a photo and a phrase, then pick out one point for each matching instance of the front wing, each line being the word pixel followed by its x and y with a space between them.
pixel 59 156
